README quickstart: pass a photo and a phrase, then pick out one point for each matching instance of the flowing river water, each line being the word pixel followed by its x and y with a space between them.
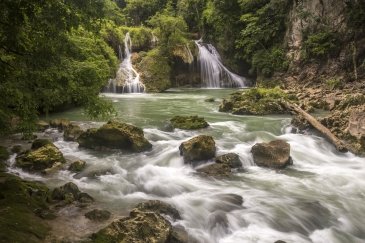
pixel 318 199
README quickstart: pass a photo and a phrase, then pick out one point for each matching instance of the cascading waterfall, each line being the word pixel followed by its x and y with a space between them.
pixel 126 74
pixel 213 73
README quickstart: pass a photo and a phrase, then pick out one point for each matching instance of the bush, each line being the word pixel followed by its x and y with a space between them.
pixel 319 45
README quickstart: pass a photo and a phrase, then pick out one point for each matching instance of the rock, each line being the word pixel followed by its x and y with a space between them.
pixel 188 122
pixel 77 166
pixel 210 100
pixel 4 156
pixel 222 170
pixel 21 204
pixel 72 132
pixel 226 106
pixel 279 241
pixel 179 235
pixel 70 193
pixel 275 154
pixel 230 159
pixel 115 135
pixel 61 124
pixel 42 125
pixel 40 159
pixel 198 149
pixel 139 227
pixel 356 124
pixel 17 149
pixel 300 123
pixel 159 207
pixel 40 143
pixel 98 215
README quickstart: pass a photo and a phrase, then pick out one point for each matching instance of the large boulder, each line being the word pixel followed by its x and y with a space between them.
pixel 275 154
pixel 72 132
pixel 189 122
pixel 197 149
pixel 160 208
pixel 139 227
pixel 41 159
pixel 115 135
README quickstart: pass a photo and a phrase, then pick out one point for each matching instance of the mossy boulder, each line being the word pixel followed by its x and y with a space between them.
pixel 197 149
pixel 231 159
pixel 159 207
pixel 41 159
pixel 38 143
pixel 189 122
pixel 155 71
pixel 77 166
pixel 275 154
pixel 72 132
pixel 98 215
pixel 115 135
pixel 69 193
pixel 23 205
pixel 139 227
pixel 256 101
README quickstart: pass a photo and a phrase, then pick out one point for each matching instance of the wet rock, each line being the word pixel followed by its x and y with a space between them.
pixel 218 221
pixel 226 106
pixel 231 199
pixel 275 154
pixel 115 135
pixel 159 207
pixel 61 124
pixel 279 241
pixel 4 155
pixel 230 159
pixel 217 170
pixel 98 215
pixel 139 227
pixel 17 149
pixel 72 132
pixel 210 100
pixel 179 235
pixel 40 143
pixel 42 125
pixel 40 159
pixel 300 123
pixel 77 166
pixel 189 122
pixel 197 149
pixel 70 193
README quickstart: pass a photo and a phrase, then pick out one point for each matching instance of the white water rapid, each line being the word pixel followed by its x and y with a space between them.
pixel 126 74
pixel 213 73
pixel 320 199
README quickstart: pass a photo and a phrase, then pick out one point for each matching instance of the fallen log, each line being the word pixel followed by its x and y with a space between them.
pixel 338 143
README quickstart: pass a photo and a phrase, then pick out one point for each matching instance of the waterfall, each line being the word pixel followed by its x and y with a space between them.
pixel 127 79
pixel 213 73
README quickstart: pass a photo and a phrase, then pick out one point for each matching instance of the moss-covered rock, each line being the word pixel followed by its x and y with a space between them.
pixel 159 207
pixel 21 204
pixel 72 132
pixel 59 123
pixel 98 215
pixel 77 166
pixel 189 122
pixel 139 227
pixel 155 71
pixel 115 135
pixel 275 154
pixel 216 170
pixel 256 101
pixel 69 193
pixel 40 143
pixel 41 159
pixel 197 149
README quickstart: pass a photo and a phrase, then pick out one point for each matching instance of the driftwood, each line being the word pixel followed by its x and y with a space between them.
pixel 339 144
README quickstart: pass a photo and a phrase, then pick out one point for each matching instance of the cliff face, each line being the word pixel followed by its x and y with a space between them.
pixel 311 24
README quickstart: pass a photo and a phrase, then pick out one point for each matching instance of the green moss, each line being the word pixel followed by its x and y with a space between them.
pixel 18 201
pixel 189 122
pixel 256 101
pixel 352 100
pixel 334 83
pixel 155 71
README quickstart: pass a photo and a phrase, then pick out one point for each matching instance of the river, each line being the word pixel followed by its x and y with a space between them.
pixel 319 199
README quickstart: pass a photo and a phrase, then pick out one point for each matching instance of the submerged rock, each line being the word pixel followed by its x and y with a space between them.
pixel 98 215
pixel 77 166
pixel 72 132
pixel 41 159
pixel 159 207
pixel 220 170
pixel 189 122
pixel 230 159
pixel 69 193
pixel 198 149
pixel 275 154
pixel 115 135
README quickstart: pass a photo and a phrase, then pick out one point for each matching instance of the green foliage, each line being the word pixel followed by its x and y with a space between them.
pixel 333 83
pixel 355 14
pixel 266 62
pixel 319 45
pixel 139 11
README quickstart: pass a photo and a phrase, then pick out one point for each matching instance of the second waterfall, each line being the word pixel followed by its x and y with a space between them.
pixel 127 77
